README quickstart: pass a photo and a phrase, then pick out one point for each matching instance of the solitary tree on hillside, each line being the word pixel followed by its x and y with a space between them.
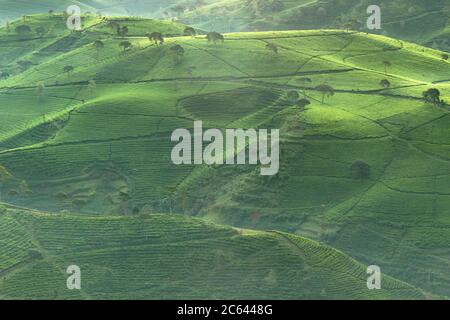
pixel 326 90
pixel 348 24
pixel 272 47
pixel 178 9
pixel 386 64
pixel 40 89
pixel 4 75
pixel 189 31
pixel 360 170
pixel 5 176
pixel 385 83
pixel 156 37
pixel 123 32
pixel 92 85
pixel 321 12
pixel 215 37
pixel 302 103
pixel 99 45
pixel 68 70
pixel 293 96
pixel 34 255
pixel 304 82
pixel 178 52
pixel 113 26
pixel 445 56
pixel 432 96
pixel 125 45
pixel 23 30
pixel 40 31
pixel 24 64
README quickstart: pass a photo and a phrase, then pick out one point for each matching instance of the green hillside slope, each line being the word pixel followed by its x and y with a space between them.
pixel 11 9
pixel 172 257
pixel 425 22
pixel 411 20
pixel 96 140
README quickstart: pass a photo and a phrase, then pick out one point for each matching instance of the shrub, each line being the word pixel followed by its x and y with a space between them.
pixel 34 255
pixel 360 170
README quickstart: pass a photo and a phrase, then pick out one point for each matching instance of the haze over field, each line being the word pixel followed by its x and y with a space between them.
pixel 423 22
pixel 87 179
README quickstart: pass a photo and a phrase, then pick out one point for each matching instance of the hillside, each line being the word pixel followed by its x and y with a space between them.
pixel 12 9
pixel 96 139
pixel 424 22
pixel 172 257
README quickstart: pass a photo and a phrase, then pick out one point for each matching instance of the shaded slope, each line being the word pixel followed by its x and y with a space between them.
pixel 172 257
pixel 412 20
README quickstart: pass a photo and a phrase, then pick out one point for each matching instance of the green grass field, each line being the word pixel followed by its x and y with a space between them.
pixel 96 141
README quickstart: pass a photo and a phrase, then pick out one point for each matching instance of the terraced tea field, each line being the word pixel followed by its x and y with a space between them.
pixel 89 148
pixel 172 257
pixel 412 20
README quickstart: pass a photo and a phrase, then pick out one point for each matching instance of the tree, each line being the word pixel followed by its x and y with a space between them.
pixel 4 75
pixel 113 26
pixel 178 9
pixel 321 12
pixel 265 7
pixel 385 83
pixel 386 64
pixel 293 96
pixel 24 188
pixel 68 70
pixel 189 31
pixel 304 81
pixel 215 37
pixel 326 90
pixel 8 27
pixel 5 176
pixel 24 64
pixel 432 96
pixel 178 52
pixel 360 170
pixel 40 89
pixel 34 255
pixel 302 103
pixel 99 45
pixel 156 37
pixel 125 45
pixel 445 56
pixel 92 85
pixel 50 12
pixel 40 31
pixel 348 25
pixel 272 47
pixel 123 32
pixel 23 30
